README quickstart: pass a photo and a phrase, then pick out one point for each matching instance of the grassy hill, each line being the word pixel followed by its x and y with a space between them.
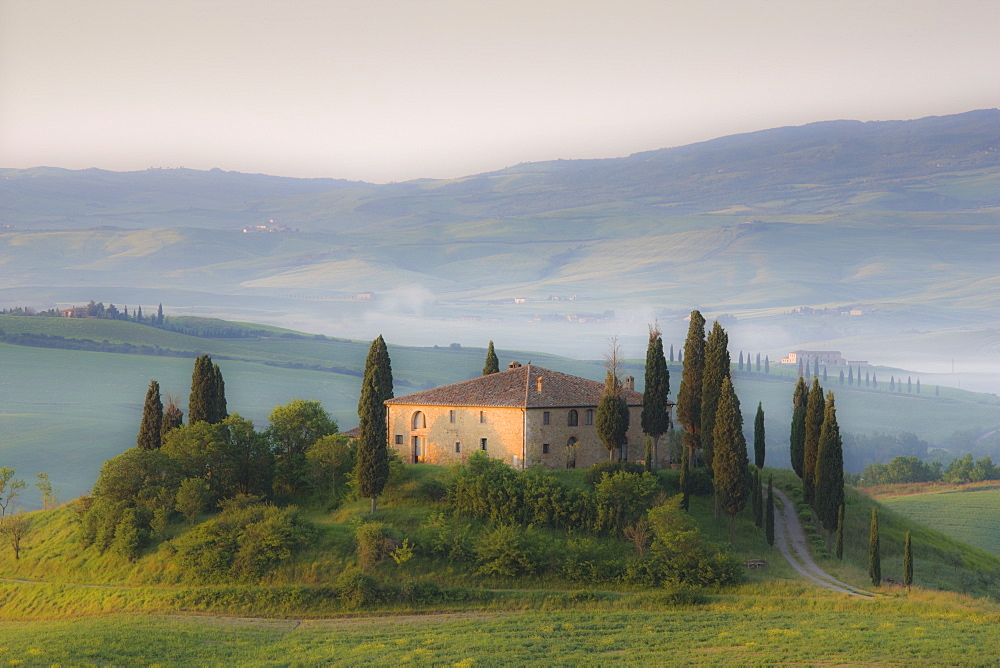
pixel 772 617
pixel 957 511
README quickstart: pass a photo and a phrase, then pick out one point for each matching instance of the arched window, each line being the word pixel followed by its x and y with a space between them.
pixel 574 418
pixel 419 420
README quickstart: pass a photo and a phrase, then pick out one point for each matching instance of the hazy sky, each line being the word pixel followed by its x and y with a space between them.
pixel 394 90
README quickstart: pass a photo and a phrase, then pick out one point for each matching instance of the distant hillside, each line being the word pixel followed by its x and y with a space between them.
pixel 898 220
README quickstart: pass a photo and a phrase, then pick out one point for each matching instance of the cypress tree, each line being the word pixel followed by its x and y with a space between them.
pixel 840 533
pixel 824 374
pixel 689 394
pixel 874 380
pixel 874 558
pixel 159 314
pixel 797 436
pixel 757 496
pixel 909 385
pixel 829 477
pixel 767 364
pixel 741 361
pixel 892 383
pixel 654 417
pixel 372 465
pixel 816 367
pixel 218 396
pixel 769 512
pixel 671 353
pixel 199 407
pixel 842 377
pixel 758 362
pixel 814 424
pixel 612 416
pixel 730 461
pixel 918 386
pixel 492 364
pixel 907 561
pixel 152 419
pixel 684 480
pixel 850 375
pixel 758 437
pixel 716 370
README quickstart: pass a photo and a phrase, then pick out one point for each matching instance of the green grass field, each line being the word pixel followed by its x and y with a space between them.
pixel 963 514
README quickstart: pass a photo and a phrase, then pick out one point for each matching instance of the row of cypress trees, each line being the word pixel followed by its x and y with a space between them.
pixel 817 453
pixel 207 403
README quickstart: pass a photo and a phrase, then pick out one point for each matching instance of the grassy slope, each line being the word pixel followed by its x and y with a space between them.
pixel 773 618
pixel 957 512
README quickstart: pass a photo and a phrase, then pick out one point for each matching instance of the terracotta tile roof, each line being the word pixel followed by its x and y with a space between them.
pixel 517 388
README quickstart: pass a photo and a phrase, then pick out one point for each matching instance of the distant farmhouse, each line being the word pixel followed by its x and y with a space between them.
pixel 825 357
pixel 525 416
pixel 74 312
pixel 270 228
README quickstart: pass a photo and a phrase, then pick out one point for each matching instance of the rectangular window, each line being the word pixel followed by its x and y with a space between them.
pixel 545 417
pixel 451 416
pixel 458 446
pixel 589 416
pixel 482 416
pixel 545 448
pixel 482 444
pixel 399 439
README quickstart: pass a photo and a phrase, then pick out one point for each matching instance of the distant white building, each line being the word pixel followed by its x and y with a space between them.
pixel 825 357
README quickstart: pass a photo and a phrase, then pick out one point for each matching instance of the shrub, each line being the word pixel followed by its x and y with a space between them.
pixel 623 498
pixel 374 544
pixel 682 555
pixel 597 471
pixel 506 551
pixel 699 482
pixel 356 589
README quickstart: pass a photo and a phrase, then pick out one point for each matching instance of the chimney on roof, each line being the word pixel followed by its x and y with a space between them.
pixel 630 383
pixel 539 384
pixel 514 365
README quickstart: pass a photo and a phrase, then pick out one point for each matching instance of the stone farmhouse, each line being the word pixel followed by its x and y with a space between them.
pixel 525 415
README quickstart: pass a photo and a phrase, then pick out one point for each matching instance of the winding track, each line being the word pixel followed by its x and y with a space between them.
pixel 791 542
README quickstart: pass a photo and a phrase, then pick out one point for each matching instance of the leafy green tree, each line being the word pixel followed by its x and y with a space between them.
pixel 13 529
pixel 810 449
pixel 758 437
pixel 193 496
pixel 294 428
pixel 829 476
pixel 251 456
pixel 731 461
pixel 10 488
pixel 717 368
pixel 874 557
pixel 655 416
pixel 331 459
pixel 908 561
pixel 372 468
pixel 200 450
pixel 492 364
pixel 129 536
pixel 797 437
pixel 152 418
pixel 44 486
pixel 612 415
pixel 689 394
pixel 769 512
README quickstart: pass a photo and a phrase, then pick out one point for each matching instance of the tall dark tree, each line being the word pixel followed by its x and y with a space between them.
pixel 758 436
pixel 816 367
pixel 758 362
pixel 741 361
pixel 892 383
pixel 717 365
pixel 797 436
pixel 850 375
pixel 814 424
pixel 874 554
pixel 829 477
pixel 841 376
pixel 372 468
pixel 824 374
pixel 219 410
pixel 612 415
pixel 730 463
pixel 152 418
pixel 689 394
pixel 767 364
pixel 840 532
pixel 671 352
pixel 172 416
pixel 200 403
pixel 159 314
pixel 655 417
pixel 918 386
pixel 874 380
pixel 907 561
pixel 769 512
pixel 757 498
pixel 492 364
